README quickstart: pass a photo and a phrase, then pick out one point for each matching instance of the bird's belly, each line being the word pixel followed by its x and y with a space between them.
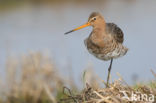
pixel 119 51
pixel 113 54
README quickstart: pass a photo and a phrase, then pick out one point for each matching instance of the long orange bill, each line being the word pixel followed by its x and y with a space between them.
pixel 80 27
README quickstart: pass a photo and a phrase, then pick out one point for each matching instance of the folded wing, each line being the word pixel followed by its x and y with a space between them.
pixel 115 31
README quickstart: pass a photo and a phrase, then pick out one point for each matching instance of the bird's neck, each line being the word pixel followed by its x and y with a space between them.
pixel 99 30
pixel 99 25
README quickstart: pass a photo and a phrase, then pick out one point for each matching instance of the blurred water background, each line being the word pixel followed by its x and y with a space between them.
pixel 27 26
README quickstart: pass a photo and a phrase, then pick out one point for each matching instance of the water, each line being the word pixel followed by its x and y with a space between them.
pixel 41 28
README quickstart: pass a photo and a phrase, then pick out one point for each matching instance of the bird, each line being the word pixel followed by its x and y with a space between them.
pixel 105 42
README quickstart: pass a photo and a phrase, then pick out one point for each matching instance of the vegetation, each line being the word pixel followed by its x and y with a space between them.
pixel 117 93
pixel 31 79
pixel 34 78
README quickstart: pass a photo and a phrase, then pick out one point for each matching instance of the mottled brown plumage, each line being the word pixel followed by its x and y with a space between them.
pixel 105 48
pixel 105 41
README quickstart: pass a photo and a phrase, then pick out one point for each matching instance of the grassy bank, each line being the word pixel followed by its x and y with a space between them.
pixel 34 78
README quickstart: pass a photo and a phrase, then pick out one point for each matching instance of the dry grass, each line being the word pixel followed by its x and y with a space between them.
pixel 115 94
pixel 32 78
pixel 118 92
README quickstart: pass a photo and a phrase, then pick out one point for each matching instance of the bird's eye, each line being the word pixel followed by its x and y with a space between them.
pixel 94 18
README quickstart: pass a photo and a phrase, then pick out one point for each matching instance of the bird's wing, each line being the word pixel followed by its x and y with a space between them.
pixel 115 31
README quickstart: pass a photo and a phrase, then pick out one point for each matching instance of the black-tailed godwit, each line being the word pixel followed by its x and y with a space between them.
pixel 105 41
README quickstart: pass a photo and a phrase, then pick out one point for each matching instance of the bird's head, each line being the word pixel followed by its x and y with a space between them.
pixel 94 20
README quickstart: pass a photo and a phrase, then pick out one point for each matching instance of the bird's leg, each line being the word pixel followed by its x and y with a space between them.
pixel 109 70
